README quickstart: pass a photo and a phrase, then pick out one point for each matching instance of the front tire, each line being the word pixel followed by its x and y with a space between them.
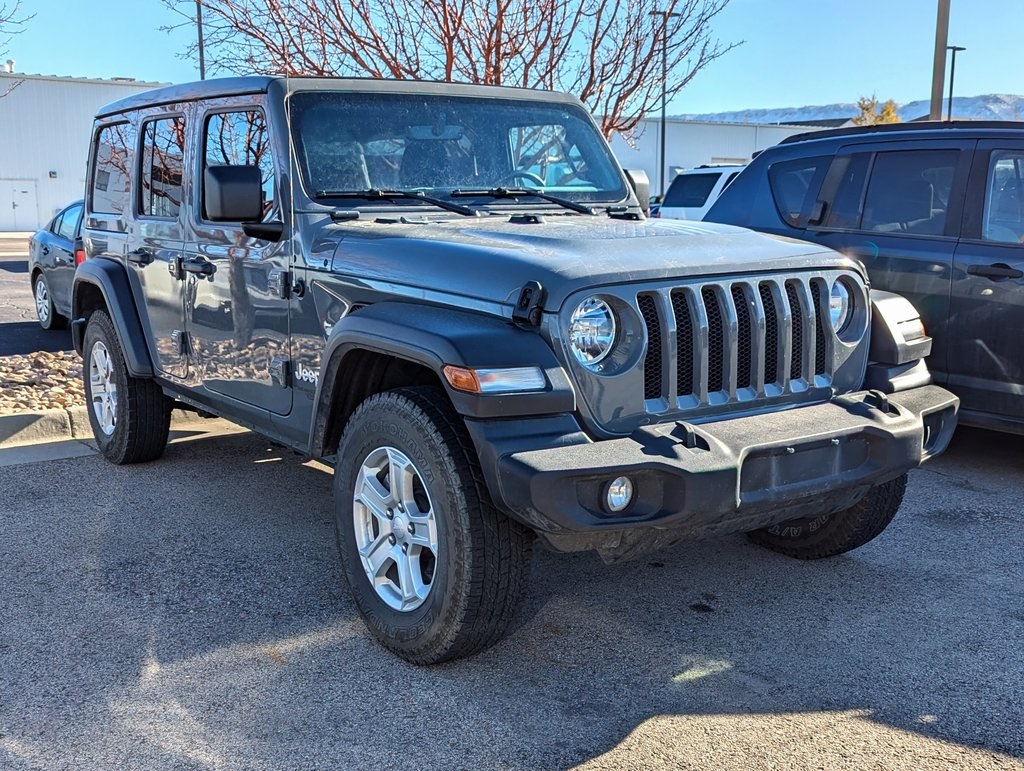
pixel 46 311
pixel 435 570
pixel 811 538
pixel 130 416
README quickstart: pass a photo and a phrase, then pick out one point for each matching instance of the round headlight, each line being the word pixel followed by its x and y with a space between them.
pixel 591 331
pixel 839 306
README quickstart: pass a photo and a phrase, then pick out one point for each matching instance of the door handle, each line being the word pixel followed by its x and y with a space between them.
pixel 997 271
pixel 199 266
pixel 141 257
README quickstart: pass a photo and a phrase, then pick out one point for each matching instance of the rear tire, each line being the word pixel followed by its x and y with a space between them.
pixel 46 311
pixel 130 416
pixel 466 563
pixel 811 538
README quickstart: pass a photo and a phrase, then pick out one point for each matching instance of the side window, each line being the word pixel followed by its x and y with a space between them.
pixel 844 210
pixel 909 191
pixel 69 223
pixel 1004 198
pixel 54 226
pixel 111 180
pixel 241 139
pixel 163 162
pixel 691 190
pixel 794 185
pixel 730 179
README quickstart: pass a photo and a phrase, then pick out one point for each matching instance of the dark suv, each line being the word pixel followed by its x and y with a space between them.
pixel 936 213
pixel 451 294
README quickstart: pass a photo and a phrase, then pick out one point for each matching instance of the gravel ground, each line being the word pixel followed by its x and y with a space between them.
pixel 40 381
pixel 190 614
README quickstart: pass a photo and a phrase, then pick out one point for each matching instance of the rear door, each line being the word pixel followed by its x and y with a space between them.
pixel 986 355
pixel 156 239
pixel 897 207
pixel 62 251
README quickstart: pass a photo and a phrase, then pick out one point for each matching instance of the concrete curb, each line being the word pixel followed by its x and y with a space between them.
pixel 25 428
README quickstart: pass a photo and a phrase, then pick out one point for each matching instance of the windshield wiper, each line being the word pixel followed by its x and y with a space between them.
pixel 376 194
pixel 518 192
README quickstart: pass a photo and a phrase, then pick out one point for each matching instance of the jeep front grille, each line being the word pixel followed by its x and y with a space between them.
pixel 727 341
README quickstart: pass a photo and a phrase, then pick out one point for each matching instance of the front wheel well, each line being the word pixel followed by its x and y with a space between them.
pixel 358 375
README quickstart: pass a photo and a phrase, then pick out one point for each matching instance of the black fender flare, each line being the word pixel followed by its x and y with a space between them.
pixel 111 279
pixel 434 336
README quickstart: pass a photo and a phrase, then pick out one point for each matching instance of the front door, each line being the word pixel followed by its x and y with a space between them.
pixel 986 355
pixel 237 311
pixel 156 242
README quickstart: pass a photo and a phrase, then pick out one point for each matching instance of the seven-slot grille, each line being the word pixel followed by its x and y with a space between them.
pixel 723 341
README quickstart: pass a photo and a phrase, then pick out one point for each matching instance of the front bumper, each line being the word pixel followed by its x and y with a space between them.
pixel 726 476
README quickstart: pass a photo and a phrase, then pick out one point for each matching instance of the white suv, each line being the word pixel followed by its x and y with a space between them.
pixel 694 190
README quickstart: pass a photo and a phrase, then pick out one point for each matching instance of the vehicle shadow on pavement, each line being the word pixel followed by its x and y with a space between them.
pixel 191 613
pixel 22 337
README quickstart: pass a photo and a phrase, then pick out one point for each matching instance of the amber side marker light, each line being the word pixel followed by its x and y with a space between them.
pixel 495 381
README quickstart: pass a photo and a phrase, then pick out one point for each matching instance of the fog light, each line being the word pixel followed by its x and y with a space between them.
pixel 619 494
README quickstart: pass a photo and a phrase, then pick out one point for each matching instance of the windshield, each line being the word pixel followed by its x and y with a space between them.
pixel 349 142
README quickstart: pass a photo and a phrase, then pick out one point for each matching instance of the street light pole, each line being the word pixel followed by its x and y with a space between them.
pixel 199 31
pixel 665 16
pixel 952 73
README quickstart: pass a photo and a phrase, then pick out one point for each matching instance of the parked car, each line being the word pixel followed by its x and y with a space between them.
pixel 694 190
pixel 53 254
pixel 484 358
pixel 936 213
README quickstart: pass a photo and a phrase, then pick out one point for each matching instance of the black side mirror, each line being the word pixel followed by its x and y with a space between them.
pixel 641 186
pixel 233 193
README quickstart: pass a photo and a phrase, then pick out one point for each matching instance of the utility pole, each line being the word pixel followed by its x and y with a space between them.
pixel 665 16
pixel 939 63
pixel 199 31
pixel 952 73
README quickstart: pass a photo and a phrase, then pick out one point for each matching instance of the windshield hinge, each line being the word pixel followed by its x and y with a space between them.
pixel 529 306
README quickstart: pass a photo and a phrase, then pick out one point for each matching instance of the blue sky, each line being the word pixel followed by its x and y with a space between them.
pixel 797 52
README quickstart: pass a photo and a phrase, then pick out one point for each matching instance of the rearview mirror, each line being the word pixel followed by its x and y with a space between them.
pixel 641 186
pixel 233 193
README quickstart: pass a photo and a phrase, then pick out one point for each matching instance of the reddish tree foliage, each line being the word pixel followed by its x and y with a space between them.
pixel 606 52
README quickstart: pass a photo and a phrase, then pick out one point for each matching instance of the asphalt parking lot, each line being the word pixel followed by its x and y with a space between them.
pixel 190 614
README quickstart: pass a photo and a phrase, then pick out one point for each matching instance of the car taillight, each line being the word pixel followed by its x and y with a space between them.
pixel 79 256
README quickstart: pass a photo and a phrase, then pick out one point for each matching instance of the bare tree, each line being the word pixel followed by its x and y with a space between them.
pixel 609 53
pixel 11 23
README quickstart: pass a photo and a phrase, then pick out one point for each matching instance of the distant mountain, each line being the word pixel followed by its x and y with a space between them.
pixel 988 107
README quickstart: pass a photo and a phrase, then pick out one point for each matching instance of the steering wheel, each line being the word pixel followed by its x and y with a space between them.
pixel 520 174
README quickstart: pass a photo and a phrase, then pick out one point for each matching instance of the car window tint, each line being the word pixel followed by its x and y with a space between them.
pixel 69 223
pixel 909 191
pixel 241 138
pixel 163 156
pixel 54 226
pixel 111 181
pixel 844 209
pixel 794 184
pixel 691 190
pixel 729 180
pixel 1004 198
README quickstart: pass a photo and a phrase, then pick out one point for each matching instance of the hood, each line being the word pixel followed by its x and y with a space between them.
pixel 490 259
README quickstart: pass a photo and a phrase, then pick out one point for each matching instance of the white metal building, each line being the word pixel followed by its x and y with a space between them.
pixel 45 122
pixel 692 143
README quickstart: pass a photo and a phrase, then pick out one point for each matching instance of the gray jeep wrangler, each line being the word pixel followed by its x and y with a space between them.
pixel 451 293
